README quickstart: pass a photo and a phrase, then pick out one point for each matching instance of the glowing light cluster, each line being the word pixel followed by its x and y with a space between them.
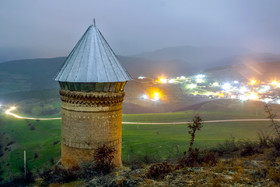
pixel 226 86
pixel 274 83
pixel 253 82
pixel 252 96
pixel 141 77
pixel 153 94
pixel 144 96
pixel 191 86
pixel 156 96
pixel 215 84
pixel 243 89
pixel 203 85
pixel 200 78
pixel 162 80
pixel 264 89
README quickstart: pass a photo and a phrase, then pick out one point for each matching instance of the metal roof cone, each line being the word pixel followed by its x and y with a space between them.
pixel 92 60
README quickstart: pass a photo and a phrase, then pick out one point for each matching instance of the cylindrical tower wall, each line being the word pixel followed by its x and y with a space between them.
pixel 90 120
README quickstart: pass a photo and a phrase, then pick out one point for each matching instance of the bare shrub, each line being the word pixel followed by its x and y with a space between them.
pixel 103 157
pixel 264 140
pixel 249 149
pixel 193 158
pixel 196 125
pixel 209 159
pixel 159 170
pixel 272 116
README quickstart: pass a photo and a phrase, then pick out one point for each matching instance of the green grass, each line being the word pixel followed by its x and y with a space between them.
pixel 38 141
pixel 187 116
pixel 161 141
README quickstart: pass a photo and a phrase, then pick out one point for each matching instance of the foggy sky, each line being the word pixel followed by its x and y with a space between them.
pixel 51 28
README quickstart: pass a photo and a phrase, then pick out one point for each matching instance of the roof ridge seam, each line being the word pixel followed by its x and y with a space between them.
pixel 119 64
pixel 99 40
pixel 108 58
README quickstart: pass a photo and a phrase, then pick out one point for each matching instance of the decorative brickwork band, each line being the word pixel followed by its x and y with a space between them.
pixel 92 98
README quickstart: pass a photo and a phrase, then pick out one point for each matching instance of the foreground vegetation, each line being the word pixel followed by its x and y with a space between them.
pixel 231 163
pixel 144 143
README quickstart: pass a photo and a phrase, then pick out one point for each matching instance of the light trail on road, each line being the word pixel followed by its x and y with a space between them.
pixel 8 112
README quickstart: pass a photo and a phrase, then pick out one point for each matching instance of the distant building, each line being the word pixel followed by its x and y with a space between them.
pixel 92 84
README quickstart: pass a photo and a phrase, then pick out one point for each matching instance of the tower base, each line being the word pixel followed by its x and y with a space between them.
pixel 90 120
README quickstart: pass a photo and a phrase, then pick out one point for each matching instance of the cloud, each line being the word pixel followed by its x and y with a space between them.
pixel 136 26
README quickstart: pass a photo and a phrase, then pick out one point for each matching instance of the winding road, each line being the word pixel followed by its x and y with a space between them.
pixel 9 112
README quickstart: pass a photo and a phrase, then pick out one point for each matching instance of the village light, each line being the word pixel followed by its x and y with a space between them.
pixel 215 84
pixel 200 78
pixel 253 82
pixel 171 81
pixel 274 83
pixel 156 96
pixel 267 100
pixel 252 96
pixel 226 86
pixel 162 80
pixel 191 86
pixel 144 97
pixel 243 89
pixel 243 98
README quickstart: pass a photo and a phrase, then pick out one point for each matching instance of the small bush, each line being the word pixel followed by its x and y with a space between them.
pixel 52 161
pixel 88 170
pixel 46 174
pixel 249 149
pixel 66 175
pixel 32 128
pixel 264 140
pixel 159 170
pixel 21 180
pixel 209 159
pixel 196 125
pixel 56 142
pixel 275 143
pixel 103 157
pixel 228 147
pixel 189 161
pixel 10 143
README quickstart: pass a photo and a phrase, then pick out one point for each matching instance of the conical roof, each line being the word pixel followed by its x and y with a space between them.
pixel 92 60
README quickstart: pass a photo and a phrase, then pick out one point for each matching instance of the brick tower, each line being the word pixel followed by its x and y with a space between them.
pixel 92 90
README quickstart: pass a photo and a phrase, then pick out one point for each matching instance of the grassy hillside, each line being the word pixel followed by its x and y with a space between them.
pixel 31 74
pixel 41 138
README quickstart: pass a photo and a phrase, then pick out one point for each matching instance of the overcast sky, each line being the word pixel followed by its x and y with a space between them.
pixel 50 28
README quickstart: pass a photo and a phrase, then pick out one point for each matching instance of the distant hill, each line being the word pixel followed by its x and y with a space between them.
pixel 137 66
pixel 31 74
pixel 36 74
pixel 265 71
pixel 203 58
